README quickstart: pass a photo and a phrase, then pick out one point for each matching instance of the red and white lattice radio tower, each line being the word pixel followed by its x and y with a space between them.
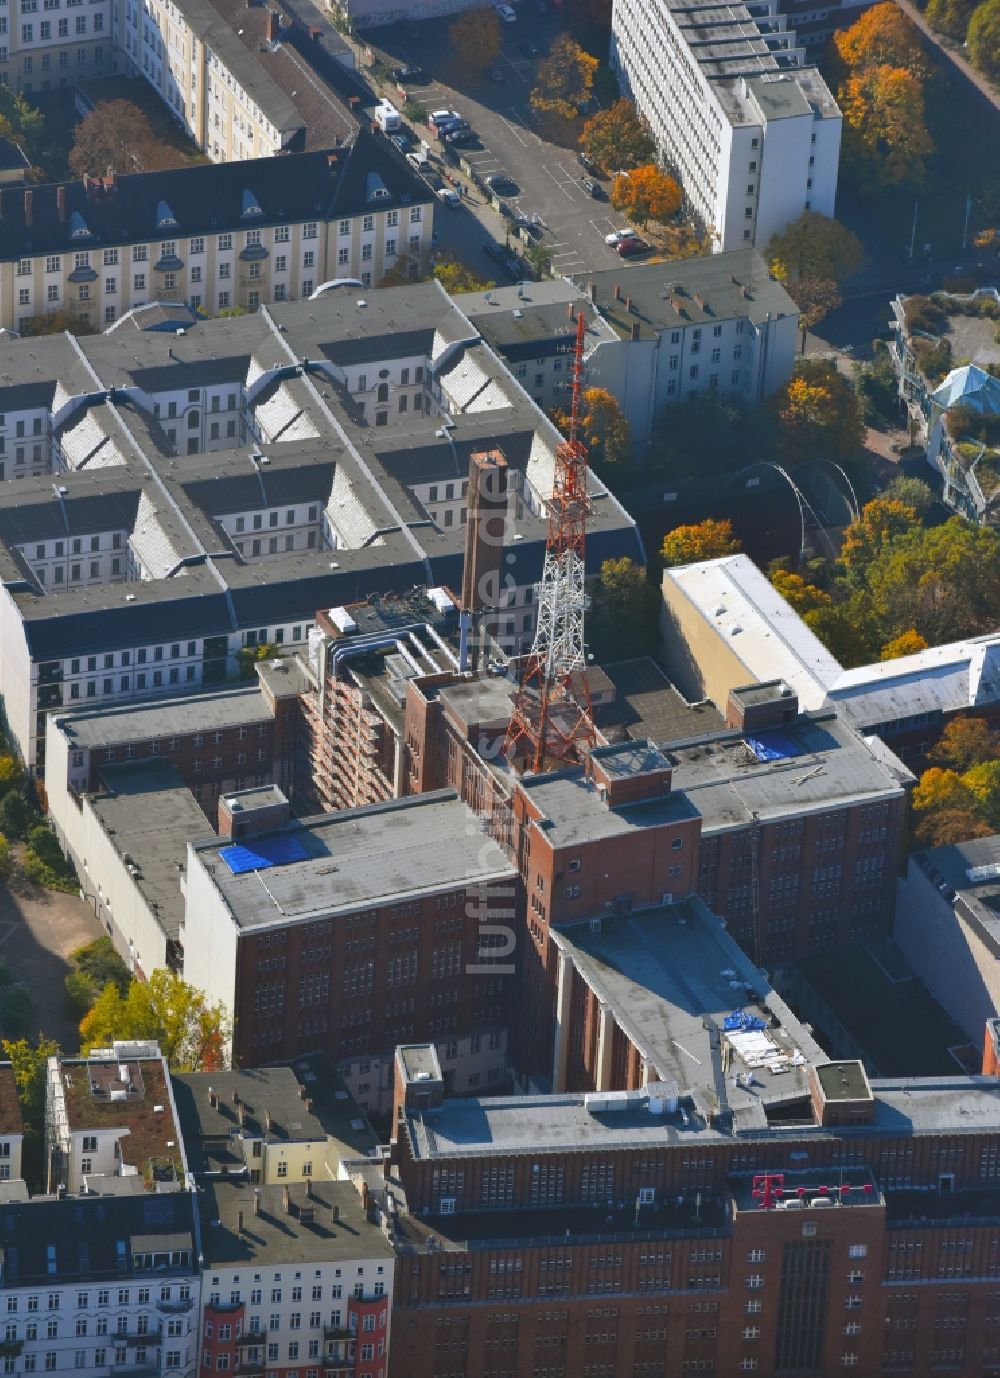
pixel 552 717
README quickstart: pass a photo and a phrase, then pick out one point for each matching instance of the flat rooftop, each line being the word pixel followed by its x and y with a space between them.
pixel 149 1134
pixel 357 857
pixel 151 817
pixel 843 1081
pixel 671 977
pixel 420 1062
pixel 845 1186
pixel 337 1232
pixel 647 706
pixel 158 718
pixel 273 1089
pixel 481 699
pixel 822 763
pixel 573 811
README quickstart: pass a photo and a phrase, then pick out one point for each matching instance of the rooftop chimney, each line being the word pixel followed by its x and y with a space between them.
pixel 286 1200
pixel 239 1222
pixel 267 1120
pixel 29 208
pixel 635 330
pixel 213 1099
pixel 256 1200
pixel 241 1112
pixel 628 305
pixel 236 1095
pixel 593 291
pixel 571 314
pixel 61 202
pixel 618 292
pixel 272 25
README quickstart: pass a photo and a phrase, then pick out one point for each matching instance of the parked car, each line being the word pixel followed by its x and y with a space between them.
pixel 450 197
pixel 616 236
pixel 631 246
pixel 401 141
pixel 450 126
pixel 437 117
pixel 502 185
pixel 461 138
pixel 588 164
pixel 409 75
pixel 506 13
pixel 419 161
pixel 593 188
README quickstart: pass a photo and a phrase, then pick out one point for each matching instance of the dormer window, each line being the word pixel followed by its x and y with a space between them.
pixel 250 206
pixel 78 227
pixel 164 215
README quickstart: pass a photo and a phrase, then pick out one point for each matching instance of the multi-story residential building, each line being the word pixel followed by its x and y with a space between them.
pixel 297 1281
pixel 326 447
pixel 953 410
pixel 656 334
pixel 231 76
pixel 11 1136
pixel 214 237
pixel 55 45
pixel 738 112
pixel 102 1275
pixel 724 625
pixel 372 926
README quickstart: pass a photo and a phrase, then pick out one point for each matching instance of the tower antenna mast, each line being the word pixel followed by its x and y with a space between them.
pixel 552 716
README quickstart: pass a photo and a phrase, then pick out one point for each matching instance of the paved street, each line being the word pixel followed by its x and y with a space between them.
pixel 548 176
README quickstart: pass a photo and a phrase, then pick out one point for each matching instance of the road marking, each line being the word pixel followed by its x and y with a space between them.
pixel 518 135
pixel 514 68
pixel 548 171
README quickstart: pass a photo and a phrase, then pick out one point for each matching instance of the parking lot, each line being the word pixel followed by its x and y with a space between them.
pixel 548 177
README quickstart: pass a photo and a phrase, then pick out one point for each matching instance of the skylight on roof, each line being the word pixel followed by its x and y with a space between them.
pixel 164 215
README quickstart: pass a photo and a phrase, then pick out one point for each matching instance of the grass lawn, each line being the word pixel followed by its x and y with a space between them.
pixel 966 134
pixel 900 1026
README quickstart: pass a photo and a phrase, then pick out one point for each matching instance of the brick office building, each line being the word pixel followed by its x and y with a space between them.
pixel 348 933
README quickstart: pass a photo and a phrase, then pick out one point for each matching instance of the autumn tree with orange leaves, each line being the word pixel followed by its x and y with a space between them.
pixel 882 73
pixel 646 194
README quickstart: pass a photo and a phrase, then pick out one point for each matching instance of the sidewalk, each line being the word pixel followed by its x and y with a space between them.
pixel 955 58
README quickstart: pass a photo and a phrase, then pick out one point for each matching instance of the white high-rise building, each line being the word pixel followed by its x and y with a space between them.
pixel 738 113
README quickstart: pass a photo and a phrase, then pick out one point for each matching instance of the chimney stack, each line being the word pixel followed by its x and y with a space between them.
pixel 570 313
pixel 336 1212
pixel 286 1200
pixel 29 208
pixel 236 1096
pixel 256 1200
pixel 239 1222
pixel 213 1099
pixel 272 26
pixel 309 1104
pixel 628 305
pixel 267 1120
pixel 618 292
pixel 241 1112
pixel 593 292
pixel 635 330
pixel 61 203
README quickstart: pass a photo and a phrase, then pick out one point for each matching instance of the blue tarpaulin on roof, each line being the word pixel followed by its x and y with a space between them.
pixel 279 850
pixel 774 745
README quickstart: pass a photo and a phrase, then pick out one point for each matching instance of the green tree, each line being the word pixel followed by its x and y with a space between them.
pixel 802 596
pixel 191 1032
pixel 818 414
pixel 603 427
pixel 706 540
pixel 16 815
pixel 965 741
pixel 983 780
pixel 475 36
pixel 456 277
pixel 984 38
pixel 912 492
pixel 618 137
pixel 56 323
pixel 944 581
pixel 622 620
pixel 950 17
pixel 813 245
pixel 29 1062
pixel 5 857
pixel 11 774
pixel 846 629
pixel 565 79
pixel 878 522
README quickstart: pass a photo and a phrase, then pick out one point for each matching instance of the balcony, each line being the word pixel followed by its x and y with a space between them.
pixel 175 1308
pixel 251 1368
pixel 10 1349
pixel 338 1332
pixel 251 1338
pixel 134 1337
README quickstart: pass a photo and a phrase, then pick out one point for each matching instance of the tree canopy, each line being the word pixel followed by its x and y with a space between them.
pixel 618 137
pixel 622 620
pixel 646 194
pixel 819 414
pixel 907 643
pixel 882 37
pixel 475 36
pixel 116 134
pixel 565 79
pixel 965 742
pixel 984 38
pixel 707 540
pixel 191 1033
pixel 602 426
pixel 811 256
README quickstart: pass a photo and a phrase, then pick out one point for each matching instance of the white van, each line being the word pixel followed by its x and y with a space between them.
pixel 387 116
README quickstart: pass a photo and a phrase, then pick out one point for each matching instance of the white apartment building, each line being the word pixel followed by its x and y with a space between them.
pixel 237 235
pixel 11 1136
pixel 219 526
pixel 55 44
pixel 738 112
